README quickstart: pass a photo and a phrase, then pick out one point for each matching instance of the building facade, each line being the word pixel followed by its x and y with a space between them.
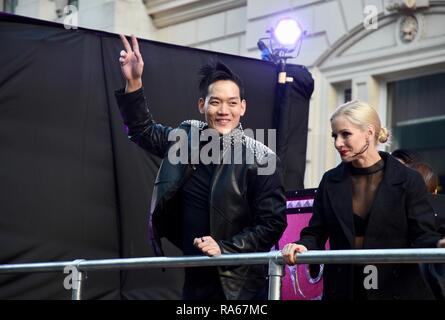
pixel 390 53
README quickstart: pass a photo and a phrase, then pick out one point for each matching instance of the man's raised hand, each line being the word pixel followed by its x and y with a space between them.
pixel 132 64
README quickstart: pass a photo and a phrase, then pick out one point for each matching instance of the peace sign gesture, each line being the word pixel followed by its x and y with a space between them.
pixel 132 64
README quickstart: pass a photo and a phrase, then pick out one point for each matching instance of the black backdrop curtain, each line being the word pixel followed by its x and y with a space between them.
pixel 71 184
pixel 291 117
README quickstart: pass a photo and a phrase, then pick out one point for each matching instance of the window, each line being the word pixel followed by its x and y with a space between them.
pixel 9 6
pixel 343 92
pixel 417 107
pixel 347 95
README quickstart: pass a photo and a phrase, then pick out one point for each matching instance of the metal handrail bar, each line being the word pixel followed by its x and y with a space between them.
pixel 150 262
pixel 273 258
pixel 378 256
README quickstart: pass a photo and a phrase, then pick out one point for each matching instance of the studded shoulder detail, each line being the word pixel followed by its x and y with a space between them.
pixel 195 123
pixel 259 149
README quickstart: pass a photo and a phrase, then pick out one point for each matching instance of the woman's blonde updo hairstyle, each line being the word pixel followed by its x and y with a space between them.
pixel 362 115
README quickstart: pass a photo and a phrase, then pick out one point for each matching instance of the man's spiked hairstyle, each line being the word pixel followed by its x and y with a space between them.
pixel 214 71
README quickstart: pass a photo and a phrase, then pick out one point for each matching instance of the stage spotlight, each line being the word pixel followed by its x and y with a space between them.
pixel 287 32
pixel 285 38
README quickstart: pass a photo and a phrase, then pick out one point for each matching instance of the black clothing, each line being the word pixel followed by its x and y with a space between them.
pixel 360 225
pixel 400 217
pixel 358 291
pixel 209 289
pixel 201 283
pixel 365 183
pixel 434 273
pixel 246 209
pixel 438 203
pixel 194 199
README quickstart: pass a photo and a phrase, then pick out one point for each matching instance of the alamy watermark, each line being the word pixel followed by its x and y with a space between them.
pixel 370 21
pixel 209 147
pixel 74 277
pixel 370 282
pixel 71 17
pixel 71 281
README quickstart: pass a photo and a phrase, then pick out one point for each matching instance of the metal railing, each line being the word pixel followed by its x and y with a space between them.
pixel 273 259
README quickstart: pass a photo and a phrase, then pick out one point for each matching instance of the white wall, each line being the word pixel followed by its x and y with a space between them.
pixel 40 9
pixel 223 32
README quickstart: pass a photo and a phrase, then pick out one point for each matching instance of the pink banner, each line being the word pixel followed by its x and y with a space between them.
pixel 297 283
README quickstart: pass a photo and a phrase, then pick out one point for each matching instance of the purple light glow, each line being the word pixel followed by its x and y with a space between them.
pixel 287 31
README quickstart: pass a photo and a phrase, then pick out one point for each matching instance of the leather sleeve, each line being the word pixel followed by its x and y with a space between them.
pixel 142 129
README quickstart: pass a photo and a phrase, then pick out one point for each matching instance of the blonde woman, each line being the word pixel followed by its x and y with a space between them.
pixel 369 201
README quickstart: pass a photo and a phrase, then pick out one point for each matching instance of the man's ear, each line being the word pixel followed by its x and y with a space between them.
pixel 243 107
pixel 201 105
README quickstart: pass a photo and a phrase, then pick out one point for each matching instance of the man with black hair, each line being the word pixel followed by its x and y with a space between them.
pixel 224 206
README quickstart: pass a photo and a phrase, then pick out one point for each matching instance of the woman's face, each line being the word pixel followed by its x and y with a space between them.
pixel 349 139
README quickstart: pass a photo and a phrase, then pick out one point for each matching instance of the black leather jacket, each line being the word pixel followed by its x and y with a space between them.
pixel 247 210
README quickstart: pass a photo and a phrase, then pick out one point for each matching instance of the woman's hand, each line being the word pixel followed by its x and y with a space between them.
pixel 289 251
pixel 132 64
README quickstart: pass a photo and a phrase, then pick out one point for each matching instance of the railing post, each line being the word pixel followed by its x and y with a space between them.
pixel 275 274
pixel 77 277
pixel 77 286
